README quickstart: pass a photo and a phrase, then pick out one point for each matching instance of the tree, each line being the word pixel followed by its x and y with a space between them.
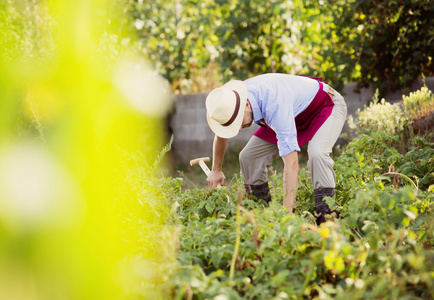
pixel 390 42
pixel 198 44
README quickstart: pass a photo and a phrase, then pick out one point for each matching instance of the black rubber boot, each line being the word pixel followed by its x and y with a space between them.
pixel 321 206
pixel 259 191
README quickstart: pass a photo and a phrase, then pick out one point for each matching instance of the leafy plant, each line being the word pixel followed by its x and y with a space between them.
pixel 379 115
pixel 282 255
pixel 381 247
pixel 418 162
pixel 419 103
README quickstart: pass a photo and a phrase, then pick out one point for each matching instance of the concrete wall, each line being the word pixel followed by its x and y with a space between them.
pixel 193 138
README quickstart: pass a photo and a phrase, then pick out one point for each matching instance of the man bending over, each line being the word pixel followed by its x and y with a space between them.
pixel 292 111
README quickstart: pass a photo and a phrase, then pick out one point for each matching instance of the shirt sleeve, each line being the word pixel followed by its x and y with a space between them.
pixel 281 120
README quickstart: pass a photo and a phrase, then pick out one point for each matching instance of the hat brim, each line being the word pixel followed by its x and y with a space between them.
pixel 232 130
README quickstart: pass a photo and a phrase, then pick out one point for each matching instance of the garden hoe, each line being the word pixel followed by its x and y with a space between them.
pixel 201 161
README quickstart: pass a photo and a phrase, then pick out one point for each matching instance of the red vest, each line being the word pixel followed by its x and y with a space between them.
pixel 308 121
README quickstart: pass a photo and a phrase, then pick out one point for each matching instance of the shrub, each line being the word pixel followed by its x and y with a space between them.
pixel 379 115
pixel 414 116
pixel 418 162
pixel 419 104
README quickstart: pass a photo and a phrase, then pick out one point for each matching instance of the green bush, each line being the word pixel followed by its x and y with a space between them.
pixel 419 104
pixel 414 116
pixel 384 43
pixel 418 163
pixel 379 115
pixel 200 43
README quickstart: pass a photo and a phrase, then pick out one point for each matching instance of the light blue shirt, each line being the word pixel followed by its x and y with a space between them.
pixel 278 99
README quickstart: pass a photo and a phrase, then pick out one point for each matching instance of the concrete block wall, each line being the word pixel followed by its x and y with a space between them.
pixel 193 138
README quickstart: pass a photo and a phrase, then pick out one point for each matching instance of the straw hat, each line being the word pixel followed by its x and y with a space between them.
pixel 225 108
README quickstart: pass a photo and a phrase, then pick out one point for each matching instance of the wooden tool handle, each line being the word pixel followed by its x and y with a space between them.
pixel 201 162
pixel 204 167
pixel 207 171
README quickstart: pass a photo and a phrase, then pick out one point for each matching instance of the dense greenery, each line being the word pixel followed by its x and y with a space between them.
pixel 199 44
pixel 83 214
pixel 193 42
pixel 390 41
pixel 230 247
pixel 196 44
pixel 68 112
pixel 382 246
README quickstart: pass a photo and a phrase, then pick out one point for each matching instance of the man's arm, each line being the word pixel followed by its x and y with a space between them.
pixel 216 176
pixel 290 179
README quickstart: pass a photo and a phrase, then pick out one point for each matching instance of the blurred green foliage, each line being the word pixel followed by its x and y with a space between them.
pixel 199 44
pixel 27 31
pixel 75 104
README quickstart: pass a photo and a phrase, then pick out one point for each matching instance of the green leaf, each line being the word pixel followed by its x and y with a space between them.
pixel 216 257
pixel 209 206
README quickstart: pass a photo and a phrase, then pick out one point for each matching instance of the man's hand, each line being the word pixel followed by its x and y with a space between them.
pixel 216 177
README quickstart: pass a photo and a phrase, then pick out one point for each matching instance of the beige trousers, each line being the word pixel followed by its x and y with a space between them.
pixel 258 154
